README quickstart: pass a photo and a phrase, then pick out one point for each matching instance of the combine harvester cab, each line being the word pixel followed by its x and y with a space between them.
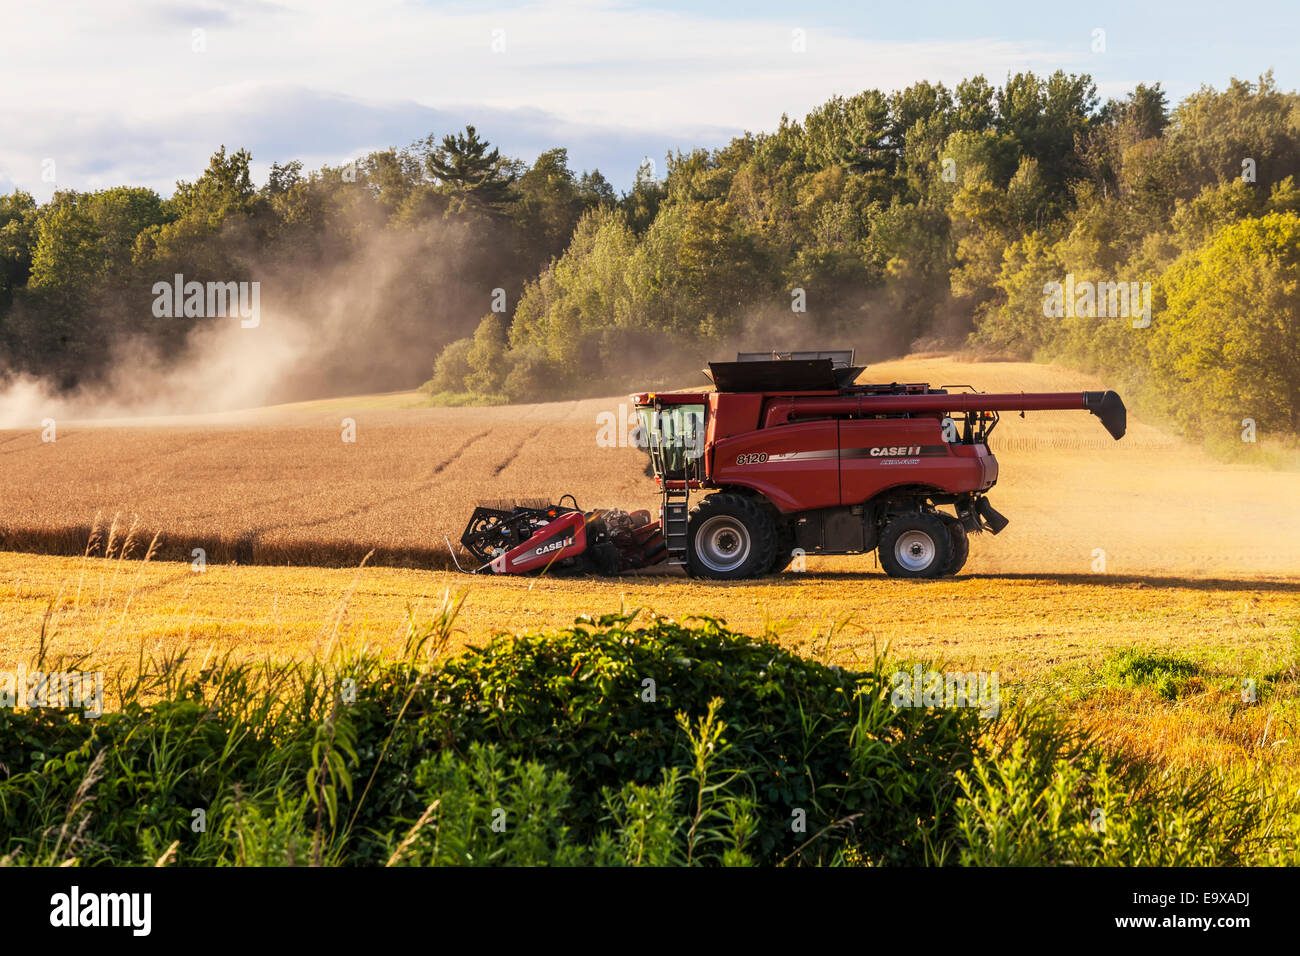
pixel 800 459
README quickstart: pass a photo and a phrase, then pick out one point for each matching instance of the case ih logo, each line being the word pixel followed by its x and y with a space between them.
pixel 553 546
pixel 892 451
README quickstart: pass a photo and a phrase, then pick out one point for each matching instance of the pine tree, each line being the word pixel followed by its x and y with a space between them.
pixel 464 166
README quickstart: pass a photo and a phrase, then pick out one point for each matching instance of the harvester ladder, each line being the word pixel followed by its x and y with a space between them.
pixel 675 505
pixel 675 513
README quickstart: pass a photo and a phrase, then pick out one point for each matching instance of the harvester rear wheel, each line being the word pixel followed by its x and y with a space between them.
pixel 731 537
pixel 915 544
pixel 960 545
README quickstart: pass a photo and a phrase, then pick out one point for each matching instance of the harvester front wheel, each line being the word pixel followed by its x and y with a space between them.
pixel 732 537
pixel 783 553
pixel 916 544
pixel 960 545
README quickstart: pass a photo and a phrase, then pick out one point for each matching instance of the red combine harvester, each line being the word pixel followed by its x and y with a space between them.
pixel 795 457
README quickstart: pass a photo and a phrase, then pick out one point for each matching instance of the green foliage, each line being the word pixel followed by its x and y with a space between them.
pixel 1018 324
pixel 1227 346
pixel 486 354
pixel 641 204
pixel 470 172
pixel 1026 808
pixel 87 237
pixel 533 375
pixel 486 810
pixel 573 701
pixel 467 823
pixel 580 293
pixel 550 201
pixel 614 742
pixel 18 217
pixel 1214 131
pixel 452 368
pixel 224 189
pixel 219 205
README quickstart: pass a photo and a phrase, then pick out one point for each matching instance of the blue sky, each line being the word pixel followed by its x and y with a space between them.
pixel 95 94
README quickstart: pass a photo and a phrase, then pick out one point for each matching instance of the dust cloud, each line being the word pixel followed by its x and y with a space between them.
pixel 369 319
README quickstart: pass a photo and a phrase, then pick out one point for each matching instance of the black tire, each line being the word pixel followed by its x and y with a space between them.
pixel 960 545
pixel 603 559
pixel 915 545
pixel 784 546
pixel 731 537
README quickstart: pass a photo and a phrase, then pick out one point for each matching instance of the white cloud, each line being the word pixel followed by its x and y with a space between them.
pixel 118 92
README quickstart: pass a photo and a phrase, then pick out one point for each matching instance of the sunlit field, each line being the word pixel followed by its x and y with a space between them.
pixel 281 486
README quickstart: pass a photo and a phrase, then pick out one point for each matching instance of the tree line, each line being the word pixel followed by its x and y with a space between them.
pixel 927 218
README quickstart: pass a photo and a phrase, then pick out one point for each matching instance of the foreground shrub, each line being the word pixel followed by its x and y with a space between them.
pixel 616 741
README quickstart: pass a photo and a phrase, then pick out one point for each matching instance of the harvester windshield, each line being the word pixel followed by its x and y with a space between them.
pixel 674 436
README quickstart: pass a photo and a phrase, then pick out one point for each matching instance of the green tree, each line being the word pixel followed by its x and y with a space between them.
pixel 594 190
pixel 853 133
pixel 1215 133
pixel 1046 117
pixel 18 229
pixel 549 204
pixel 486 356
pixel 586 289
pixel 220 203
pixel 974 111
pixel 1017 325
pixel 1227 345
pixel 475 174
pixel 451 368
pixel 224 190
pixel 84 238
pixel 641 203
pixel 282 178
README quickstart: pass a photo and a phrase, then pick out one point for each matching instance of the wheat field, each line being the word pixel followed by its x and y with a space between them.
pixel 280 486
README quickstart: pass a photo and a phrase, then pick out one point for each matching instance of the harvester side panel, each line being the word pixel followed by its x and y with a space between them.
pixel 733 414
pixel 796 466
pixel 877 454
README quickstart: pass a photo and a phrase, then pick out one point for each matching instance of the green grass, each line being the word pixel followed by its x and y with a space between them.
pixel 460 399
pixel 1167 674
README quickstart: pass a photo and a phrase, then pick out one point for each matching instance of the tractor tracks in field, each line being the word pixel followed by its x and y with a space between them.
pixel 362 508
pixel 454 458
pixel 548 424
pixel 510 459
pixel 37 442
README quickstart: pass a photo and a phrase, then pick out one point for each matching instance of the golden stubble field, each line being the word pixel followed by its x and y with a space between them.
pixel 1023 625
